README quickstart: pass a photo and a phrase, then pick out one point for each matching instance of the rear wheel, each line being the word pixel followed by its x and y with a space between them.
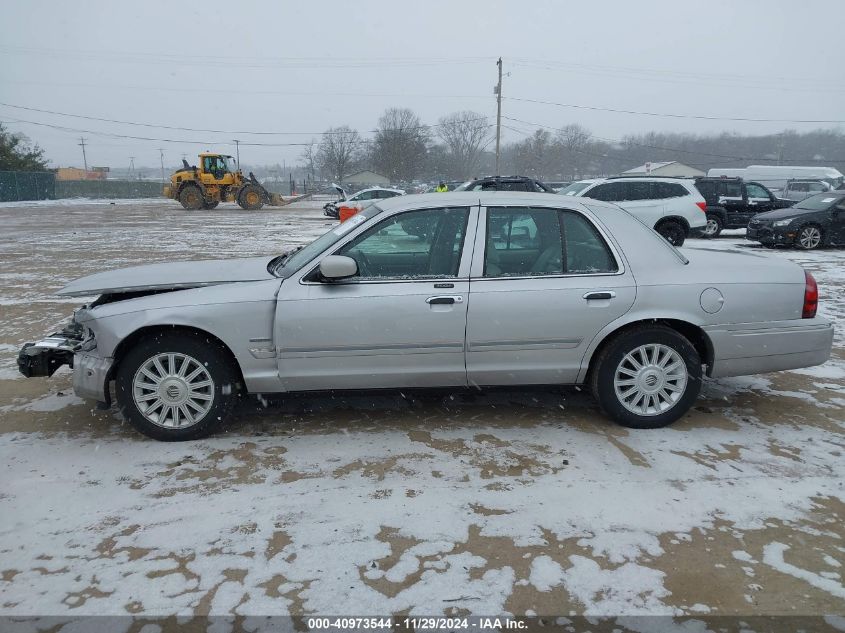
pixel 713 227
pixel 191 197
pixel 176 386
pixel 809 237
pixel 647 377
pixel 251 198
pixel 673 232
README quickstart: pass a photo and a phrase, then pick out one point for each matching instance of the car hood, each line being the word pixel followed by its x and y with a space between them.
pixel 340 191
pixel 170 276
pixel 782 214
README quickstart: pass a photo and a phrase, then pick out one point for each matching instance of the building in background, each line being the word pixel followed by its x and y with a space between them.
pixel 366 178
pixel 672 169
pixel 73 173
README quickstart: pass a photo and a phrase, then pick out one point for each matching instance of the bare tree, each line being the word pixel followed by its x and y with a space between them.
pixel 337 151
pixel 535 156
pixel 308 155
pixel 573 141
pixel 400 144
pixel 465 134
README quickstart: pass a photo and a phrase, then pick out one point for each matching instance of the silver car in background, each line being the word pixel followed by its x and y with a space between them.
pixel 456 289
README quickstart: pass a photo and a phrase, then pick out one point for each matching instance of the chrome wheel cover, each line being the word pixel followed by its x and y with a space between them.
pixel 650 379
pixel 810 237
pixel 711 227
pixel 173 390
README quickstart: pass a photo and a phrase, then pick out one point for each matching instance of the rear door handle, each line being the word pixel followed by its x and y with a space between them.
pixel 595 296
pixel 444 300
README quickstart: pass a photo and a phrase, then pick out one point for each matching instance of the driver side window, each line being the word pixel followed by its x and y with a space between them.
pixel 410 245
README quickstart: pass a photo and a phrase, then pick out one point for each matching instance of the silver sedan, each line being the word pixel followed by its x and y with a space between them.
pixel 463 289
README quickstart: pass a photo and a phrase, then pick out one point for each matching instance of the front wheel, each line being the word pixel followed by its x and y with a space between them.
pixel 809 237
pixel 673 232
pixel 647 377
pixel 251 198
pixel 176 386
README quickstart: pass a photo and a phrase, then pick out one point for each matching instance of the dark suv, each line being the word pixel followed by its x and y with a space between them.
pixel 506 183
pixel 731 202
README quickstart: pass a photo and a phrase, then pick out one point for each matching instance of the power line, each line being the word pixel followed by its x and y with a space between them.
pixel 188 129
pixel 219 61
pixel 218 142
pixel 675 116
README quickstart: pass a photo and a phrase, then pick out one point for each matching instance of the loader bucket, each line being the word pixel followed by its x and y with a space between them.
pixel 276 200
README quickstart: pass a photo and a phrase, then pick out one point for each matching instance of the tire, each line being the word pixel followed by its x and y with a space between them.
pixel 673 232
pixel 191 197
pixel 251 198
pixel 180 399
pixel 810 237
pixel 664 405
pixel 210 205
pixel 713 227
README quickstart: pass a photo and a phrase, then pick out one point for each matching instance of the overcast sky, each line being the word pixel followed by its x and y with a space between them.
pixel 302 67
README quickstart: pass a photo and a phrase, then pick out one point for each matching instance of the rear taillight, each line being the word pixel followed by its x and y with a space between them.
pixel 702 206
pixel 811 297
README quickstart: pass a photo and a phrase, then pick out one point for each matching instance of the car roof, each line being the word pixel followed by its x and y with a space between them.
pixel 485 198
pixel 378 189
pixel 645 178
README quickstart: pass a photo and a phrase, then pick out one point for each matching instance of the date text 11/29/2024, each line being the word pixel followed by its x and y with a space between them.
pixel 438 623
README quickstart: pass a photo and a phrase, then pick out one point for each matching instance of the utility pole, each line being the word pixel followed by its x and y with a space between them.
pixel 161 156
pixel 84 158
pixel 131 167
pixel 498 91
pixel 238 152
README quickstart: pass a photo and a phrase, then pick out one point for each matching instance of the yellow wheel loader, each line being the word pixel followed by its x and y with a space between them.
pixel 216 180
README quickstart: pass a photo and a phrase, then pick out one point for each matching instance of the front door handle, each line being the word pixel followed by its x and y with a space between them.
pixel 598 295
pixel 444 300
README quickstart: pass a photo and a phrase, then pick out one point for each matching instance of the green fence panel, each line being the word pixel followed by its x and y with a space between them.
pixel 27 185
pixel 110 189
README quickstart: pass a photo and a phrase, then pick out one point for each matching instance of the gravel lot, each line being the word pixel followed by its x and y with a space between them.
pixel 452 502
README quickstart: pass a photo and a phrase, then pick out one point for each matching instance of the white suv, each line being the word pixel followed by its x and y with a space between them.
pixel 673 206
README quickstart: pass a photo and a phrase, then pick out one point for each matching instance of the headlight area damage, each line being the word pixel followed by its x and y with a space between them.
pixel 74 345
pixel 46 356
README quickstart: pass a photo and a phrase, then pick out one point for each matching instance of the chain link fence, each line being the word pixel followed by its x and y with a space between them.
pixel 110 189
pixel 27 185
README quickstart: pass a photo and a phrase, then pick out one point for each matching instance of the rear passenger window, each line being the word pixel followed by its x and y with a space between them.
pixel 664 190
pixel 586 250
pixel 607 192
pixel 637 191
pixel 732 190
pixel 525 242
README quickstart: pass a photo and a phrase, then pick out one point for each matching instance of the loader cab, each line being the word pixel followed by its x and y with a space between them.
pixel 217 168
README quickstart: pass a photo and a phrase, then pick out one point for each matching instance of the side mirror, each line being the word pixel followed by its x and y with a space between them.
pixel 336 267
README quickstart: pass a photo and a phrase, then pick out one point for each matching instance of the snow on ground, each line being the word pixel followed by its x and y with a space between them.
pixel 519 501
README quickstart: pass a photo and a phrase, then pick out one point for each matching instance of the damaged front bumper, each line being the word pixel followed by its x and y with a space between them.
pixel 75 348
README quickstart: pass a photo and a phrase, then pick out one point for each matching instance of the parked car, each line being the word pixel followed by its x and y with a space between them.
pixel 506 183
pixel 563 291
pixel 558 185
pixel 796 190
pixel 673 206
pixel 814 222
pixel 732 202
pixel 775 177
pixel 364 196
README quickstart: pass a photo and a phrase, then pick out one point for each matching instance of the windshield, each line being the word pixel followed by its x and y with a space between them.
pixel 228 163
pixel 574 188
pixel 296 260
pixel 819 202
